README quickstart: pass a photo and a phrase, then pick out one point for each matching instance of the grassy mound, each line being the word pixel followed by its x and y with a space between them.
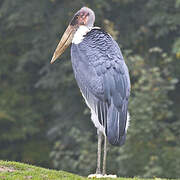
pixel 20 171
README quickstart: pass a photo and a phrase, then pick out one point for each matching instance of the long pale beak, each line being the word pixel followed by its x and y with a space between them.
pixel 64 42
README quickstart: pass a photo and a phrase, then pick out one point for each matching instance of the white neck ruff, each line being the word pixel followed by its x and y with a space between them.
pixel 79 34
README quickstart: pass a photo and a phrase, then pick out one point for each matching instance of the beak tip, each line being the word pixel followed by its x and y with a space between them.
pixel 53 59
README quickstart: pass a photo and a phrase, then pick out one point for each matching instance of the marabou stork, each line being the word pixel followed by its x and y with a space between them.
pixel 102 76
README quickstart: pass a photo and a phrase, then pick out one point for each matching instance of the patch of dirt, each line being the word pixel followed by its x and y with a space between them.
pixel 29 177
pixel 6 169
pixel 2 177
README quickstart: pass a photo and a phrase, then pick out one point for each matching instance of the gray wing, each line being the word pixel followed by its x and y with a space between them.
pixel 103 78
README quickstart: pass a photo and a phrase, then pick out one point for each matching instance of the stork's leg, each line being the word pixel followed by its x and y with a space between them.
pixel 105 154
pixel 98 170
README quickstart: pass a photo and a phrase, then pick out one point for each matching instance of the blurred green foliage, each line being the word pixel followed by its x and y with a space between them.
pixel 43 118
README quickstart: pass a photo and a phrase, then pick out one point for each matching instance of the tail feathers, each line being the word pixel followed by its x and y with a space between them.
pixel 116 125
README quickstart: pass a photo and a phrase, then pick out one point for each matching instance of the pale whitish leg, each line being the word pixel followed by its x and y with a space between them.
pixel 98 170
pixel 105 154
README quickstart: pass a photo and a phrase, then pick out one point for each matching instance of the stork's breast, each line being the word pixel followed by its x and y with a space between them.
pixel 84 71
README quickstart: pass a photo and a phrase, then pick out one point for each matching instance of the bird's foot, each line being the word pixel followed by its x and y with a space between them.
pixel 95 176
pixel 102 176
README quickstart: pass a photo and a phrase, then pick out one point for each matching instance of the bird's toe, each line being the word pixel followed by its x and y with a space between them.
pixel 95 176
pixel 102 176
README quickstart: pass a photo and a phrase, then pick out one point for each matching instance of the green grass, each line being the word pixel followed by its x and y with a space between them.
pixel 20 171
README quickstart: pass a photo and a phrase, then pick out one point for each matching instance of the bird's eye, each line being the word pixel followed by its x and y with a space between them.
pixel 77 17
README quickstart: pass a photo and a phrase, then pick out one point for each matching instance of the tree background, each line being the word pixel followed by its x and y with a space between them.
pixel 43 118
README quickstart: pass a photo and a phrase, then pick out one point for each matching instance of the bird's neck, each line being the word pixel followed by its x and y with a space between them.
pixel 80 33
